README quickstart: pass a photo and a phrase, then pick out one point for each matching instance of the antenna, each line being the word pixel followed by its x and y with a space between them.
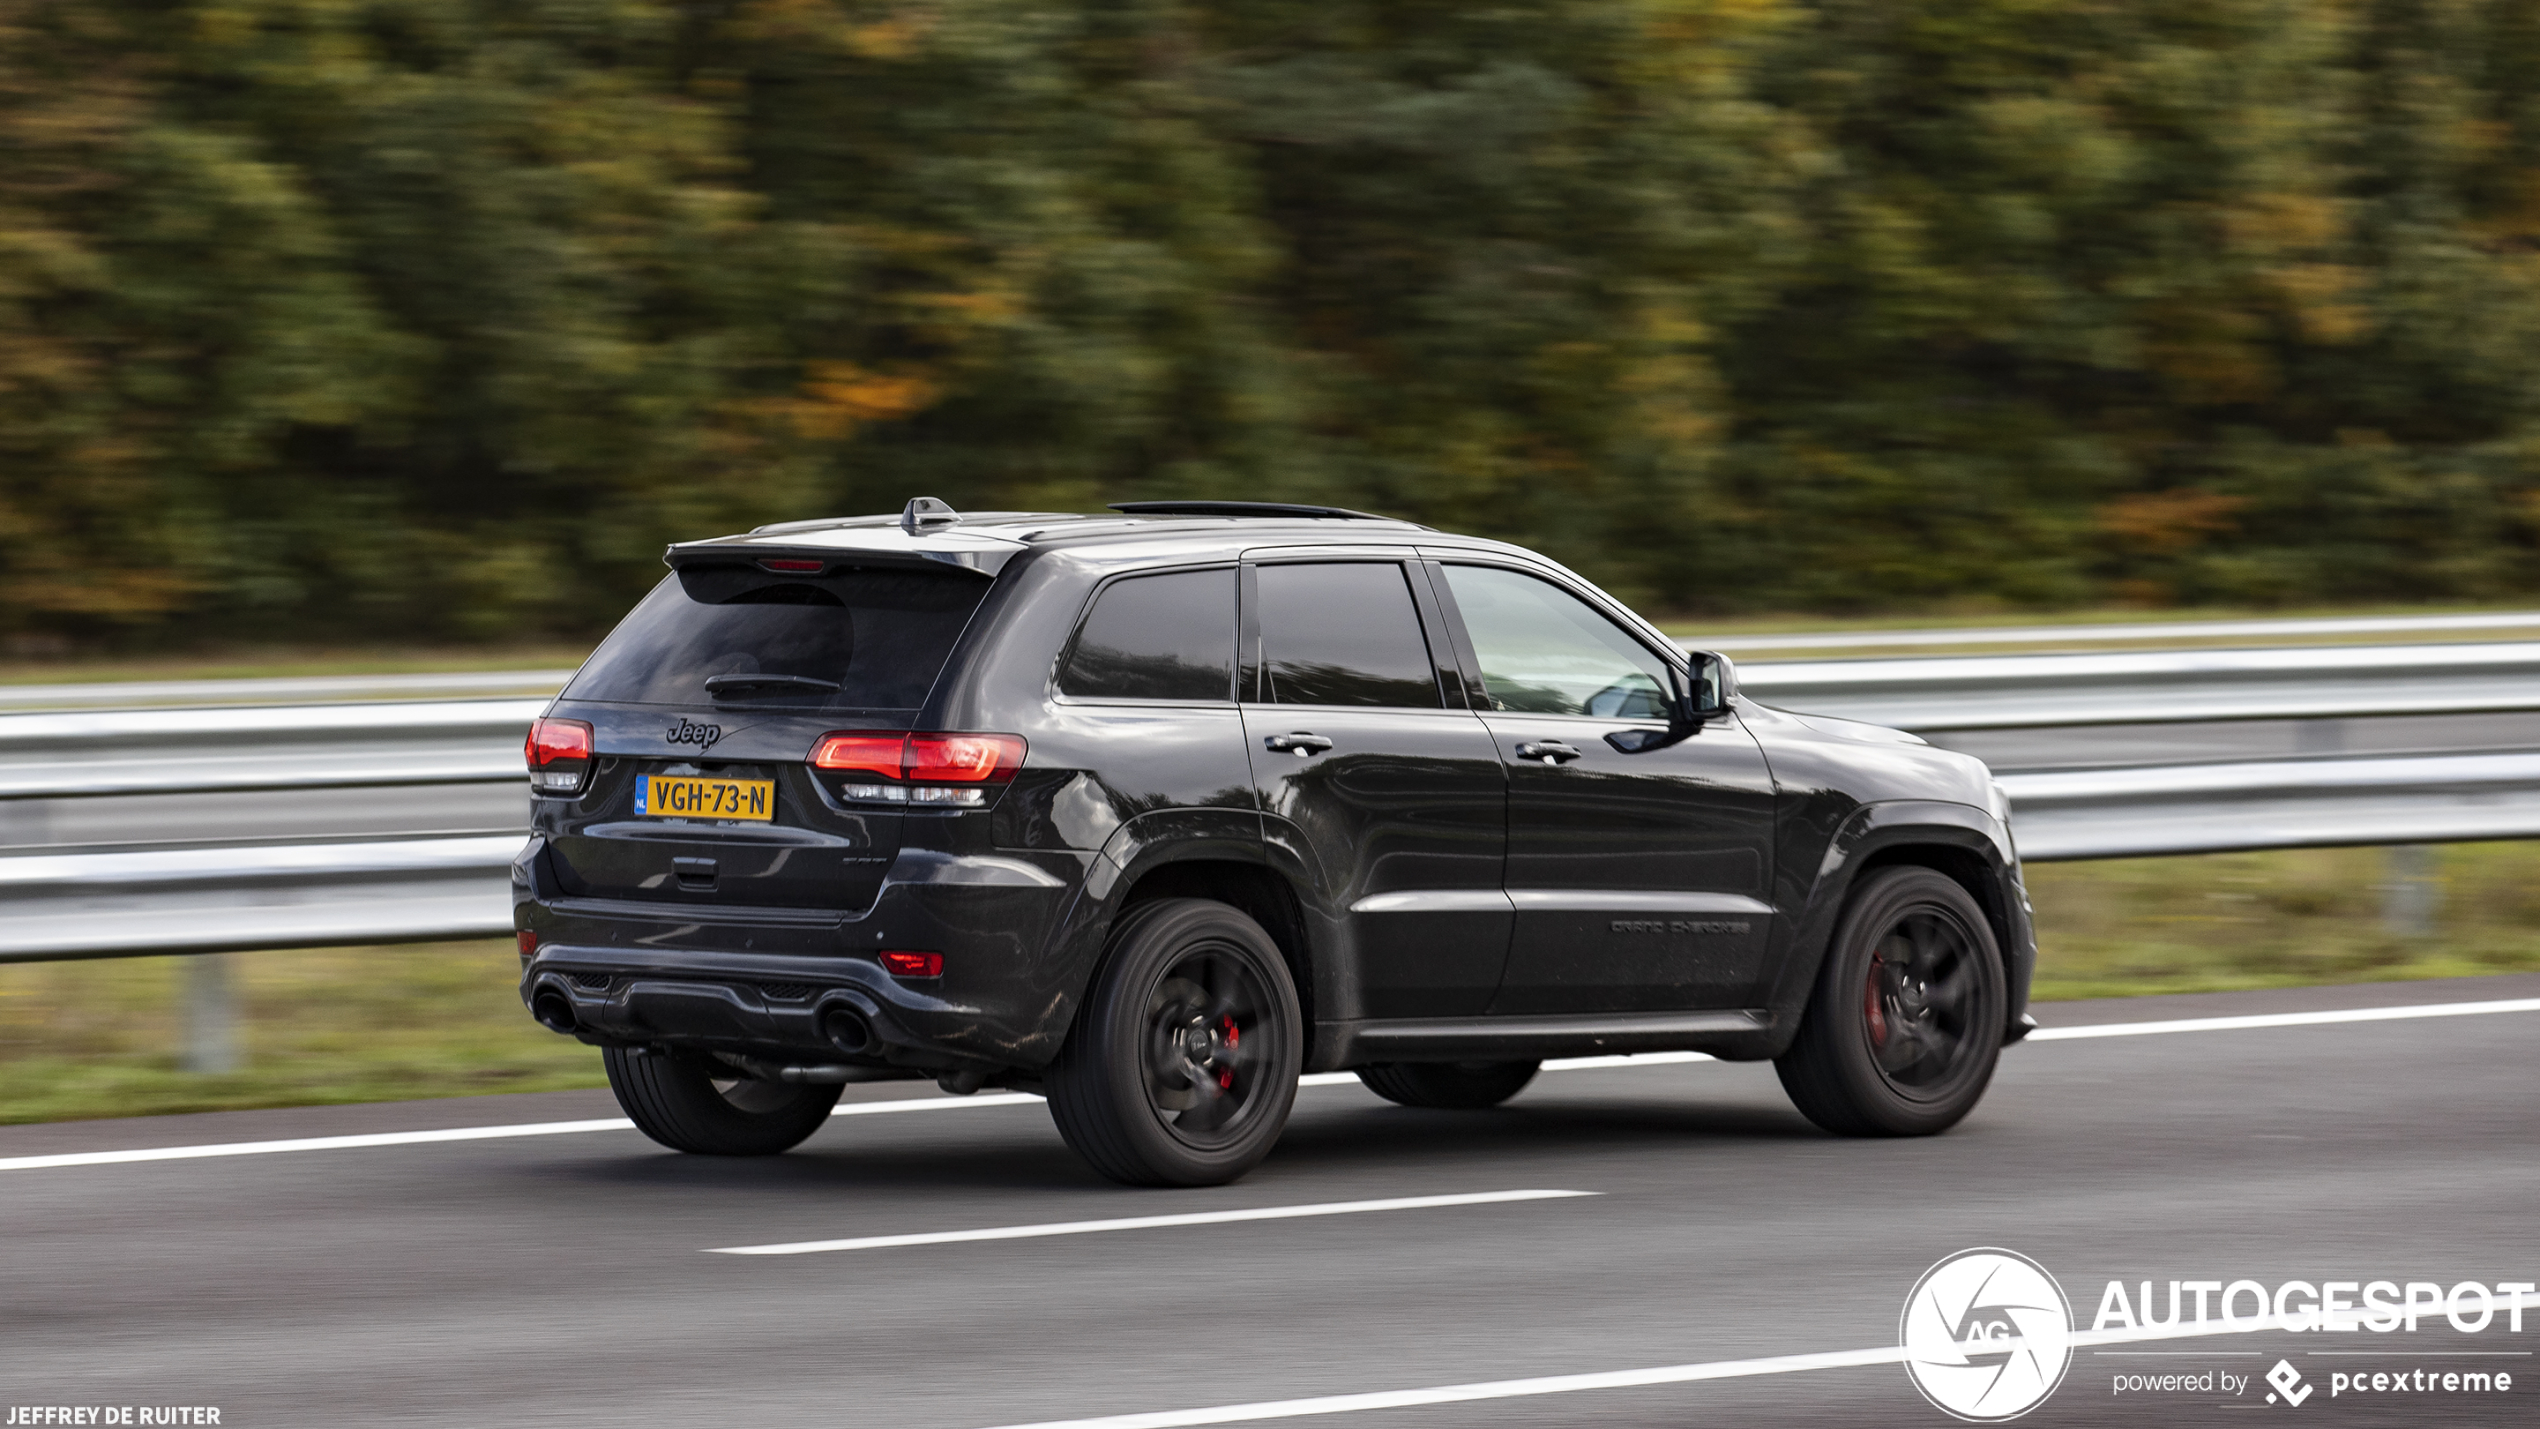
pixel 925 513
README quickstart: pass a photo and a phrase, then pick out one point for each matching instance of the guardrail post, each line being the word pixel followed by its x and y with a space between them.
pixel 2412 893
pixel 211 1015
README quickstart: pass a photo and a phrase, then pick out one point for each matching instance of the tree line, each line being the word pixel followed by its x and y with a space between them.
pixel 437 318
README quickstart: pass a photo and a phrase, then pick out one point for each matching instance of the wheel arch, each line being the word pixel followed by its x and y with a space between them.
pixel 1964 844
pixel 1253 889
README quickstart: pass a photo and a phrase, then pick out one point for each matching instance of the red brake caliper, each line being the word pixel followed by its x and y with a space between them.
pixel 1226 1075
pixel 1874 1006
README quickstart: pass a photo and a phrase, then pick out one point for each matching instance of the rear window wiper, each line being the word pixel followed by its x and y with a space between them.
pixel 736 684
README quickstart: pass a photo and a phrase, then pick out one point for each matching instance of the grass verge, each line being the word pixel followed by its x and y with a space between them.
pixel 102 1038
pixel 2294 918
pixel 99 1039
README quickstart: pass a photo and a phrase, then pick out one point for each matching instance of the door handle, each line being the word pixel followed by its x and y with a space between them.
pixel 1300 744
pixel 1550 751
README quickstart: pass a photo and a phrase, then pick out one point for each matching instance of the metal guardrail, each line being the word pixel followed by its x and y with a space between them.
pixel 2156 687
pixel 134 895
pixel 92 753
pixel 289 689
pixel 2170 632
pixel 234 898
pixel 2293 803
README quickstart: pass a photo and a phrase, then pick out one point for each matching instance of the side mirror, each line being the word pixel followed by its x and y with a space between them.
pixel 1712 682
pixel 1714 685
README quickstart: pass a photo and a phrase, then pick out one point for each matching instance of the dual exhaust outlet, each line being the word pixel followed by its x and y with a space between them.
pixel 845 1028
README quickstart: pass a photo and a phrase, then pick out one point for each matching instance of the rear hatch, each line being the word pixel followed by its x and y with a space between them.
pixel 705 704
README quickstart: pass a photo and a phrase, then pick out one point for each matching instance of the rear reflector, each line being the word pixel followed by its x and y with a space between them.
pixel 940 770
pixel 914 964
pixel 559 754
pixel 528 942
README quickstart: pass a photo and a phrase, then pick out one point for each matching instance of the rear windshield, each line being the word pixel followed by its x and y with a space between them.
pixel 736 636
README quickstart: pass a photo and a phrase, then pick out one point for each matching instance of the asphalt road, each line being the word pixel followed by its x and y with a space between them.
pixel 564 1279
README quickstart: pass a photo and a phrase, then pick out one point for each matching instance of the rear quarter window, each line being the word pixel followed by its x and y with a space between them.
pixel 1161 637
pixel 857 639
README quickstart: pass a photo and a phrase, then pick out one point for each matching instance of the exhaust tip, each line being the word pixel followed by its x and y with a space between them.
pixel 552 1009
pixel 847 1030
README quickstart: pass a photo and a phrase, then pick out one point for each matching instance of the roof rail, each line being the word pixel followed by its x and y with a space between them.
pixel 1241 508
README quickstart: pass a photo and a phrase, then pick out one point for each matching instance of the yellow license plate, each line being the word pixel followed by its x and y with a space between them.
pixel 685 796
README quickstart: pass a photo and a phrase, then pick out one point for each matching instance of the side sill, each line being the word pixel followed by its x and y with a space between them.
pixel 1736 1035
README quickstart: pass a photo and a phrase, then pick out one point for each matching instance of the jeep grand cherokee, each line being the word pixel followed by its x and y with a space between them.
pixel 1152 812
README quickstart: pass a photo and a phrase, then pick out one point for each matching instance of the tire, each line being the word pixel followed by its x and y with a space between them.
pixel 674 1099
pixel 1915 1058
pixel 1182 1063
pixel 1457 1086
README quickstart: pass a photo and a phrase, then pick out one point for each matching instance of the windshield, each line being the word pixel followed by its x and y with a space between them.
pixel 736 636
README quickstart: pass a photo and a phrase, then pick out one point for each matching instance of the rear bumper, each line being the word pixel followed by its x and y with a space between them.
pixel 764 1005
pixel 759 982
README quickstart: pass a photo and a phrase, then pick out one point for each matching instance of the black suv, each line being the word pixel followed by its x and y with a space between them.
pixel 1153 812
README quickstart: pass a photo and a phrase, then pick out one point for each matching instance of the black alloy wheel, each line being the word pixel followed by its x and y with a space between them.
pixel 1901 1036
pixel 1183 1061
pixel 691 1104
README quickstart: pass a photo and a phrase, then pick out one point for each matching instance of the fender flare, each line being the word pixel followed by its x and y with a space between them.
pixel 1135 849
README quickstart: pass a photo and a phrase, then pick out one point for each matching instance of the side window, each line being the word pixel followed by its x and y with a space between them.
pixel 1344 633
pixel 1167 637
pixel 1545 651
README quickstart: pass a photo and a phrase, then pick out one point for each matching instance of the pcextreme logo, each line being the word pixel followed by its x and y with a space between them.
pixel 1987 1335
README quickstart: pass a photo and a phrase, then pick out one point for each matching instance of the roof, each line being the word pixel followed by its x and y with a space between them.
pixel 930 533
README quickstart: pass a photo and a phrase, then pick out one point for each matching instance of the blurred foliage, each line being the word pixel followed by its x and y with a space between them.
pixel 439 317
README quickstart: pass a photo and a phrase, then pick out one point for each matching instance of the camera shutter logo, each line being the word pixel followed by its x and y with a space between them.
pixel 1987 1335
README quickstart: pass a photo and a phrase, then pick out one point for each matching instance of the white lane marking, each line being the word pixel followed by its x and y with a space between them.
pixel 310 1143
pixel 933 1103
pixel 1318 1079
pixel 1141 1223
pixel 1608 1379
pixel 1490 1389
pixel 1557 1064
pixel 2284 1019
pixel 1625 1059
pixel 456 1133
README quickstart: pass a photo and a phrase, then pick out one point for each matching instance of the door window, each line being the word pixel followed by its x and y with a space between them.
pixel 1545 651
pixel 1162 637
pixel 1343 633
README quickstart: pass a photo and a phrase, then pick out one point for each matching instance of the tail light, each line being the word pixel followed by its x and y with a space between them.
pixel 914 964
pixel 940 770
pixel 559 753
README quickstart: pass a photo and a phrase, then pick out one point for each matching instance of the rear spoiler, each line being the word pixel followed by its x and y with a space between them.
pixel 842 548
